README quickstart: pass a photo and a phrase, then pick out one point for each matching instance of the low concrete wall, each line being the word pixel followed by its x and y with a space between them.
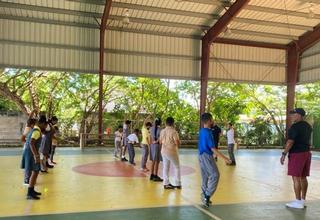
pixel 11 128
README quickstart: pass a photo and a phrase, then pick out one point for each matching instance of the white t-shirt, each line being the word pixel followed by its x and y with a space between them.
pixel 133 139
pixel 230 136
pixel 118 136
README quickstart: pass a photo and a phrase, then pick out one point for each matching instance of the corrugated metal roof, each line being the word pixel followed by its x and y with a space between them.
pixel 156 28
pixel 310 65
pixel 172 4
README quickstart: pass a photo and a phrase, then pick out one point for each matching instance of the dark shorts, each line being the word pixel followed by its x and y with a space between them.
pixel 299 164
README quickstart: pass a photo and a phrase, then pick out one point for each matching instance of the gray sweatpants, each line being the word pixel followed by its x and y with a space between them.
pixel 117 148
pixel 231 154
pixel 144 153
pixel 209 173
pixel 131 153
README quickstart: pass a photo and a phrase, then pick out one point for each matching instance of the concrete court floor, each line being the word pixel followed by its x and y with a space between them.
pixel 91 184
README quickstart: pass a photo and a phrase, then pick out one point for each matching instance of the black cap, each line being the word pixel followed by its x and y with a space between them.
pixel 299 111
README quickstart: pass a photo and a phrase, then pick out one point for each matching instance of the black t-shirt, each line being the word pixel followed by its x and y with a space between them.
pixel 216 134
pixel 300 133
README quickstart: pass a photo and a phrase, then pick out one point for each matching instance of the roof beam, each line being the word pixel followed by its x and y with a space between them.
pixel 157 33
pixel 161 23
pixel 223 3
pixel 222 23
pixel 280 11
pixel 48 21
pixel 250 43
pixel 264 34
pixel 164 10
pixel 309 39
pixel 272 24
pixel 50 9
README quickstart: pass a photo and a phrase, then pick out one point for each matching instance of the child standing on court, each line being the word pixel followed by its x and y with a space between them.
pixel 155 150
pixel 31 156
pixel 169 139
pixel 117 141
pixel 126 132
pixel 209 170
pixel 30 124
pixel 55 137
pixel 145 144
pixel 231 142
pixel 132 140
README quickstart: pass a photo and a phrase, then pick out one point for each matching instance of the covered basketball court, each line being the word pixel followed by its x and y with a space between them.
pixel 265 42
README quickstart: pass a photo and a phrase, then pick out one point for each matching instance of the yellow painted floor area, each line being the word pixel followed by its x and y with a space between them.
pixel 258 177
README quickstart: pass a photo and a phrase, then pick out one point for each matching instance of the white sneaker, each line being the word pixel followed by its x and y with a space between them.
pixel 296 204
pixel 303 202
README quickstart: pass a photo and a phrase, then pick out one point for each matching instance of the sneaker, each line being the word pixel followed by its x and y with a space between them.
pixel 168 186
pixel 202 196
pixel 205 201
pixel 232 164
pixel 50 166
pixel 32 197
pixel 133 163
pixel 124 159
pixel 296 204
pixel 36 193
pixel 152 177
pixel 178 187
pixel 44 171
pixel 157 178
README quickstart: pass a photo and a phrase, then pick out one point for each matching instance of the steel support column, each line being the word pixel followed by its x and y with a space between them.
pixel 292 79
pixel 103 26
pixel 208 39
pixel 205 57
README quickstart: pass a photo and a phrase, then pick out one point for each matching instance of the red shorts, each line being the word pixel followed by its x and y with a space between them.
pixel 299 164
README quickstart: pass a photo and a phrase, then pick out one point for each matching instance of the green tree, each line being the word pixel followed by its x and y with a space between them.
pixel 268 102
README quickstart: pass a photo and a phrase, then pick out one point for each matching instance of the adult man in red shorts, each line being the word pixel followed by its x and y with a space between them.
pixel 298 146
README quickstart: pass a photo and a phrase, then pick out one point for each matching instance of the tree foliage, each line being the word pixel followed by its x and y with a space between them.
pixel 73 97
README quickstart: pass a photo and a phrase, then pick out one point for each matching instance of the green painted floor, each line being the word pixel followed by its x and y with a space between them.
pixel 261 211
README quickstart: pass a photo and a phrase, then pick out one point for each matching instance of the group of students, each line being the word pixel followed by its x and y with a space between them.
pixel 40 139
pixel 164 144
pixel 159 144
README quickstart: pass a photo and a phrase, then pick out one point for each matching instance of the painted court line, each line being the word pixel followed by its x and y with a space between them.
pixel 189 201
pixel 201 209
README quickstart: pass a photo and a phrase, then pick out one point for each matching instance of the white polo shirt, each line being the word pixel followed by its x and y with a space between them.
pixel 230 136
pixel 133 139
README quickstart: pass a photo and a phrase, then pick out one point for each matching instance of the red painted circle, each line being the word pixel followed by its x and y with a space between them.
pixel 121 169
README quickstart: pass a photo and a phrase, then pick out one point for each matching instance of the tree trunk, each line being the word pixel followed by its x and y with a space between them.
pixel 34 98
pixel 12 96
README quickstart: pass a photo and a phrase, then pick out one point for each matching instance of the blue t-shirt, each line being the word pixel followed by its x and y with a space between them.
pixel 206 141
